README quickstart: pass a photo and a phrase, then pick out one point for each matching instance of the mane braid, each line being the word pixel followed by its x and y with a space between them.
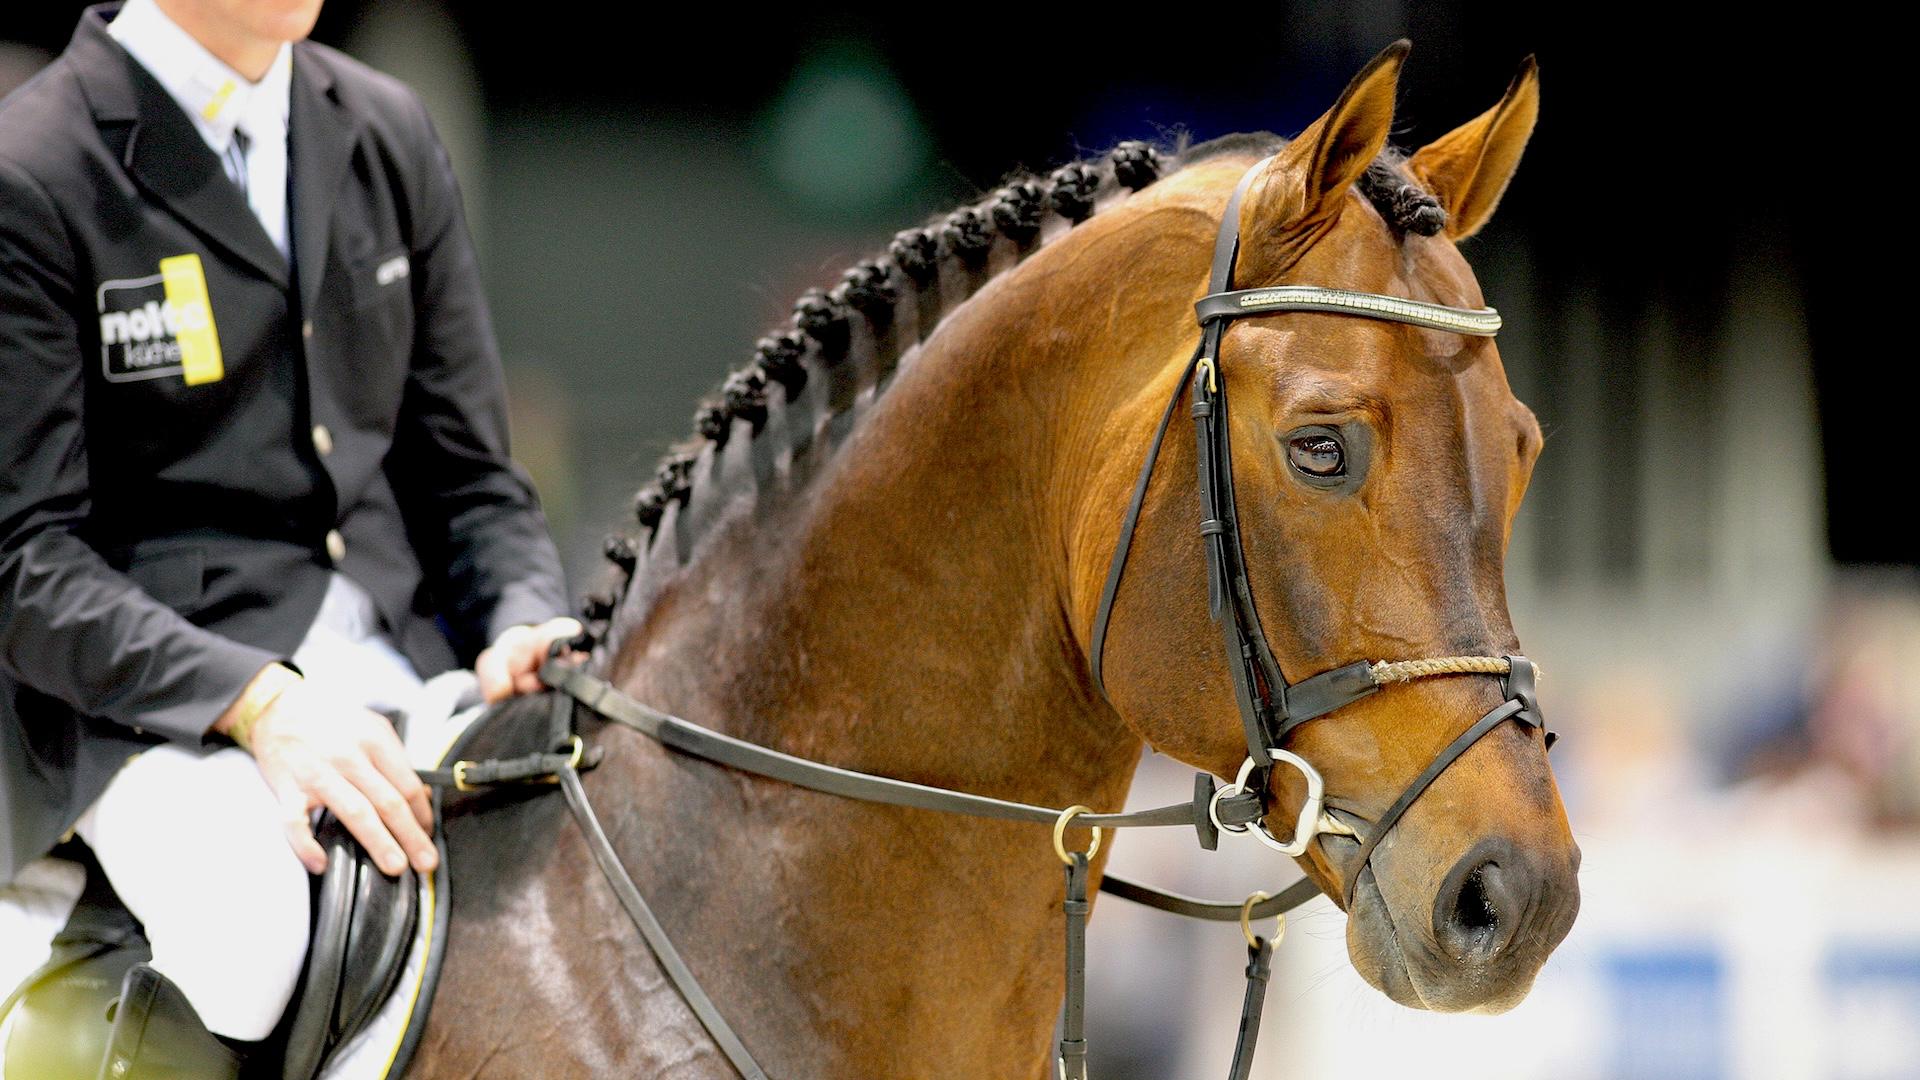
pixel 829 326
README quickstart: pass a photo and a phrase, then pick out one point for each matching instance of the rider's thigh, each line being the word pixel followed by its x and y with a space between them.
pixel 193 843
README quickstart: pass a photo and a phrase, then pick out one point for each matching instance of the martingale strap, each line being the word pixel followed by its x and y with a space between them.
pixel 656 935
pixel 1073 1013
pixel 1253 1003
pixel 577 687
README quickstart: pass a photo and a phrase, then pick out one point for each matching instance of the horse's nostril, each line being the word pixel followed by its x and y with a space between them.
pixel 1473 911
pixel 1479 903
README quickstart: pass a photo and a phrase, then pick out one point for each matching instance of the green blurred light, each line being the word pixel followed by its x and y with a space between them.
pixel 842 137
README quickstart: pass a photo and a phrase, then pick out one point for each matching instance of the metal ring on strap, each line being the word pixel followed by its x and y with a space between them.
pixel 1229 791
pixel 1060 834
pixel 1313 817
pixel 1246 922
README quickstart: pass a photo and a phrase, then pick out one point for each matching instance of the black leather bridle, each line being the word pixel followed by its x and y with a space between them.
pixel 1270 708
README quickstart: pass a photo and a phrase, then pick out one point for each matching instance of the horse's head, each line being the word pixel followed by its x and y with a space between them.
pixel 1378 468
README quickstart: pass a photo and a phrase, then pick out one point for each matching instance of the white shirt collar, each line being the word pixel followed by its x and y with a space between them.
pixel 214 96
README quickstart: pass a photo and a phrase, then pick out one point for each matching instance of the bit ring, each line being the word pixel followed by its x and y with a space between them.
pixel 1308 823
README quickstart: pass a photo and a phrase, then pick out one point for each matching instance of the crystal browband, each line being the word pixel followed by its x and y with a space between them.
pixel 1480 322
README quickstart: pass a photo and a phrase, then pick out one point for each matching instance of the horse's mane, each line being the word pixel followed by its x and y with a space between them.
pixel 819 340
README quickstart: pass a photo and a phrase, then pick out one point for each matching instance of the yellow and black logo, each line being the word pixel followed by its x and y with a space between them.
pixel 158 326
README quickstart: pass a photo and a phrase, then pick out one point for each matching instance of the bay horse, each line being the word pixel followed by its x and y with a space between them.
pixel 885 548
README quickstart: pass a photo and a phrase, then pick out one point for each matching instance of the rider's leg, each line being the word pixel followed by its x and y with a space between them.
pixel 193 842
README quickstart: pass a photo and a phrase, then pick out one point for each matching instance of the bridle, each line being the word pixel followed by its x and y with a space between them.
pixel 1270 708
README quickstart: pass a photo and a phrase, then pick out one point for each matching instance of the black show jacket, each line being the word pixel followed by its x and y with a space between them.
pixel 162 537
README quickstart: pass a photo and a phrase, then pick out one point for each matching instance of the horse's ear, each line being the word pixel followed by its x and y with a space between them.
pixel 1309 179
pixel 1468 167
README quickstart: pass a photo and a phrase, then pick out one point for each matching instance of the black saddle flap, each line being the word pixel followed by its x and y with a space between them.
pixel 385 911
pixel 363 923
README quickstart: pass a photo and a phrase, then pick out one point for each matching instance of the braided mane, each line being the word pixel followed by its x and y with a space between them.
pixel 831 329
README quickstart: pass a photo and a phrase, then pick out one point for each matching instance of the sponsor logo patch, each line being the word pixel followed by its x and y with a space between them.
pixel 154 327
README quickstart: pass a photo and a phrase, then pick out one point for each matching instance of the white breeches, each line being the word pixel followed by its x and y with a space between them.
pixel 191 840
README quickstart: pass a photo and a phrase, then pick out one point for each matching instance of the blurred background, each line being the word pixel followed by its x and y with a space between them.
pixel 1714 565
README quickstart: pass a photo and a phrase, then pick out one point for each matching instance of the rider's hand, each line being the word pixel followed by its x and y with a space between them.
pixel 511 665
pixel 316 750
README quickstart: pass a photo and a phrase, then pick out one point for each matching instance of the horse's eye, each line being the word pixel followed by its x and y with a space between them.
pixel 1317 455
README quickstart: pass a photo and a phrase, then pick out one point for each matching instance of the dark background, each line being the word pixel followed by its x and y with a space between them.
pixel 1670 149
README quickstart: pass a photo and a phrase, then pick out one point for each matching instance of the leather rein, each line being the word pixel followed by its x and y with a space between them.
pixel 1270 707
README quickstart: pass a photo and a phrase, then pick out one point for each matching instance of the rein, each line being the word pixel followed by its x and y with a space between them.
pixel 1269 706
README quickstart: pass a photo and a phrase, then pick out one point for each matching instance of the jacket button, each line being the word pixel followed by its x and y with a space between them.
pixel 322 440
pixel 336 545
pixel 306 329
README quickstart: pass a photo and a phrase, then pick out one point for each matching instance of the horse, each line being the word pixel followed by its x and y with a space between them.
pixel 884 549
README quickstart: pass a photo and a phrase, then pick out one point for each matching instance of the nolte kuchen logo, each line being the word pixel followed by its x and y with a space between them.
pixel 162 325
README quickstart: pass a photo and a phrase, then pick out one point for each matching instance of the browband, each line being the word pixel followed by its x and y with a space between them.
pixel 1479 322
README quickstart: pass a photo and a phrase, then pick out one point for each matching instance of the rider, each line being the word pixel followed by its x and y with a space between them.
pixel 254 479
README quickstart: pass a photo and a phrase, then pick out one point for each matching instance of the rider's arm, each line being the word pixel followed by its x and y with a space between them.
pixel 471 510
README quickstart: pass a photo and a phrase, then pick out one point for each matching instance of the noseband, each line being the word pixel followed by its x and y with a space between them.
pixel 1270 707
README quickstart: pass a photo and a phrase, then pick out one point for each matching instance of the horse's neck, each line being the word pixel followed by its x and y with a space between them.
pixel 906 608
pixel 905 616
